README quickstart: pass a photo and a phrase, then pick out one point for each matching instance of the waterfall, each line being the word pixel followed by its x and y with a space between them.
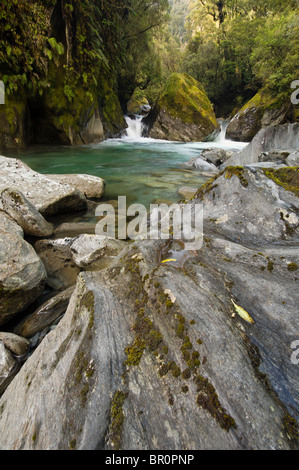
pixel 223 124
pixel 135 127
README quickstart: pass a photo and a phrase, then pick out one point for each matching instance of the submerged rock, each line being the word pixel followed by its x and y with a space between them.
pixel 260 112
pixel 22 276
pixel 48 197
pixel 17 206
pixel 186 192
pixel 183 112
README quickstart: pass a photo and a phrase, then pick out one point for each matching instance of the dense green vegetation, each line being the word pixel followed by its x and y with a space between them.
pixel 74 56
pixel 240 46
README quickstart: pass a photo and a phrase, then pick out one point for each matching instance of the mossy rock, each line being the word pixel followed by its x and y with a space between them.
pixel 183 111
pixel 261 111
pixel 13 118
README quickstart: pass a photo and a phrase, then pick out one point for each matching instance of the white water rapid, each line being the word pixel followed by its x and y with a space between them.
pixel 135 127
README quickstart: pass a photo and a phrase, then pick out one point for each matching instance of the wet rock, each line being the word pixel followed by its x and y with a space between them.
pixel 200 164
pixel 293 158
pixel 73 229
pixel 45 315
pixel 25 214
pixel 48 197
pixel 88 249
pixel 275 156
pixel 92 187
pixel 285 137
pixel 57 257
pixel 217 156
pixel 17 345
pixel 7 367
pixel 22 276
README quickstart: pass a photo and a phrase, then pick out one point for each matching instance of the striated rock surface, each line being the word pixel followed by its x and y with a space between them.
pixel 173 349
pixel 183 112
pixel 48 197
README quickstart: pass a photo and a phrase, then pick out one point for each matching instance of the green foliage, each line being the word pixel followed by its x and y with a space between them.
pixel 240 46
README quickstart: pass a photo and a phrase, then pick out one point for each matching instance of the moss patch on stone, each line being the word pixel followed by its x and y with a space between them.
pixel 288 178
pixel 184 98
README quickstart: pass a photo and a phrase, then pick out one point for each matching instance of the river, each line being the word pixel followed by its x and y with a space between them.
pixel 142 169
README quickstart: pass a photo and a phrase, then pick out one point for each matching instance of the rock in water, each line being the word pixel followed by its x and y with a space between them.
pixel 183 112
pixel 260 112
pixel 48 197
pixel 92 187
pixel 22 275
pixel 25 214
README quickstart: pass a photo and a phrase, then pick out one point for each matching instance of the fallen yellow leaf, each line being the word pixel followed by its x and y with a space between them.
pixel 243 314
pixel 168 260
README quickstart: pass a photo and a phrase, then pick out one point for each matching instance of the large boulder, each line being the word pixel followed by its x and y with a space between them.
pixel 48 197
pixel 183 112
pixel 92 187
pixel 283 137
pixel 174 349
pixel 22 277
pixel 57 257
pixel 18 207
pixel 260 112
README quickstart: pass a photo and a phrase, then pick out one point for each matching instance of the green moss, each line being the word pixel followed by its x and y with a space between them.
pixel 291 427
pixel 207 398
pixel 288 178
pixel 184 98
pixel 270 266
pixel 292 267
pixel 117 418
pixel 186 374
pixel 72 444
pixel 134 353
pixel 236 171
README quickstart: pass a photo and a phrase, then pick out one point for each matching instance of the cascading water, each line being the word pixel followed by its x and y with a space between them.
pixel 135 127
pixel 222 136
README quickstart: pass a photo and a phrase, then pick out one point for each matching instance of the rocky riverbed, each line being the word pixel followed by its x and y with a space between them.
pixel 145 345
